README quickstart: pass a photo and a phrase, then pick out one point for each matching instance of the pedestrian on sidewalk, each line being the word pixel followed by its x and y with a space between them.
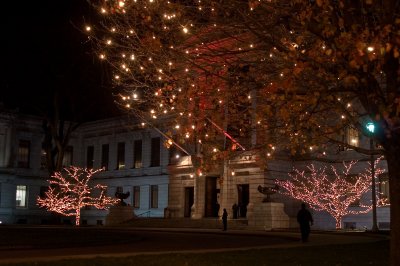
pixel 304 218
pixel 225 220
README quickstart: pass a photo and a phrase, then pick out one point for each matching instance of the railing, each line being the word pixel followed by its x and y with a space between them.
pixel 144 214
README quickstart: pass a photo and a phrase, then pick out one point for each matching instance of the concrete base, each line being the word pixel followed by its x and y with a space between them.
pixel 268 216
pixel 119 214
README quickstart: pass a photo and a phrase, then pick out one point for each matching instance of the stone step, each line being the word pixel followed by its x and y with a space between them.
pixel 206 223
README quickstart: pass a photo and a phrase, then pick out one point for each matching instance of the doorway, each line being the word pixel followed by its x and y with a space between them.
pixel 211 203
pixel 189 200
pixel 243 199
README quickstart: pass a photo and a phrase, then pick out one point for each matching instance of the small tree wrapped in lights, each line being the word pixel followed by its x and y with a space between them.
pixel 68 194
pixel 331 193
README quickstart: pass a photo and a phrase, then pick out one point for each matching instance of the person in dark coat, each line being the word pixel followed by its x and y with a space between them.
pixel 225 219
pixel 304 218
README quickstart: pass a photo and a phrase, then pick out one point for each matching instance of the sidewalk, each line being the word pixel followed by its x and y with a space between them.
pixel 293 241
pixel 316 237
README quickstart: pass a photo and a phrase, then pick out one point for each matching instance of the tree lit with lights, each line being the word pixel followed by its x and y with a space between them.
pixel 69 193
pixel 335 192
pixel 277 77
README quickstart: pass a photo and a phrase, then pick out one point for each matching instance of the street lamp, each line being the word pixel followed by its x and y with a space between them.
pixel 371 129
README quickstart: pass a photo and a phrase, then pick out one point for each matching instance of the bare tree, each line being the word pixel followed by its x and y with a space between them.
pixel 69 193
pixel 333 192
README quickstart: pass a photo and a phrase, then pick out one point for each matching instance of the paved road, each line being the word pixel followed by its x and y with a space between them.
pixel 49 243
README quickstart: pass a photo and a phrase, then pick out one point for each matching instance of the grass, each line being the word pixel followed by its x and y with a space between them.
pixel 376 253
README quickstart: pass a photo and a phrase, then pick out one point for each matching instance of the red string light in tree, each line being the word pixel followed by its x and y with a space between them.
pixel 333 193
pixel 68 195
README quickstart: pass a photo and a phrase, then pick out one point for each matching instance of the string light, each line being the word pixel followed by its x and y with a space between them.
pixel 196 87
pixel 334 192
pixel 69 195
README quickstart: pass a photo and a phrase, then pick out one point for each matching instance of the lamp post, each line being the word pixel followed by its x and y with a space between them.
pixel 371 129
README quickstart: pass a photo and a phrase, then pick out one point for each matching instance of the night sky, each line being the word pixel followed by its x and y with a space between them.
pixel 44 53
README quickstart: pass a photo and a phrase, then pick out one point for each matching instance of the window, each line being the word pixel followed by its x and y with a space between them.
pixel 350 136
pixel 104 156
pixel 43 159
pixel 136 197
pixel 384 187
pixel 43 191
pixel 155 152
pixel 153 196
pixel 90 157
pixel 352 180
pixel 23 153
pixel 68 153
pixel 121 155
pixel 174 155
pixel 137 154
pixel 21 197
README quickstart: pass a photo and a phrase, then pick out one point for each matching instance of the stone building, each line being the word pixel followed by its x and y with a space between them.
pixel 234 186
pixel 134 159
pixel 161 184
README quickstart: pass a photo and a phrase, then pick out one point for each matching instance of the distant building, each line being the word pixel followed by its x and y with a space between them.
pixel 134 160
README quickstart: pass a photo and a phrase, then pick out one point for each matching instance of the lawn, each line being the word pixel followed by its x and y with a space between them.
pixel 339 255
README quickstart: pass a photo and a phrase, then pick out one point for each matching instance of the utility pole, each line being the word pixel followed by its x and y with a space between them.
pixel 371 129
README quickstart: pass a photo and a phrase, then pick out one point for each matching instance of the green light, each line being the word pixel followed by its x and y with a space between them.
pixel 371 127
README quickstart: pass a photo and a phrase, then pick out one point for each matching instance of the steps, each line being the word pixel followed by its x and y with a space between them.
pixel 205 223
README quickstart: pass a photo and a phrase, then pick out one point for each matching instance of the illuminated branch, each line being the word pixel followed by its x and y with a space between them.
pixel 331 193
pixel 68 194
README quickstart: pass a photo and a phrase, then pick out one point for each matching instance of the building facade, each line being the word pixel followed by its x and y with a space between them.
pixel 235 187
pixel 133 158
pixel 160 183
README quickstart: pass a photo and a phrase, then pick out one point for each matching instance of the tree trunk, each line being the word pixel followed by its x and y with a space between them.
pixel 338 223
pixel 393 161
pixel 78 217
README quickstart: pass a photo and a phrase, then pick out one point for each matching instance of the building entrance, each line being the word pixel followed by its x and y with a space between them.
pixel 211 203
pixel 243 199
pixel 189 199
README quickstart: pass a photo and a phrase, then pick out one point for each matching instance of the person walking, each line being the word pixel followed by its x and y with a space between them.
pixel 304 218
pixel 225 220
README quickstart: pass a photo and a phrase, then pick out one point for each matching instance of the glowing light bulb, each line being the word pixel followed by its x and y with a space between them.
pixel 88 28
